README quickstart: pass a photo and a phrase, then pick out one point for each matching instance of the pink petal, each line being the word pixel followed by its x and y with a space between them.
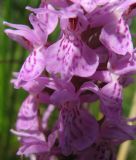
pixel 33 66
pixel 78 129
pixel 70 56
pixel 119 35
pixel 111 99
pixel 28 115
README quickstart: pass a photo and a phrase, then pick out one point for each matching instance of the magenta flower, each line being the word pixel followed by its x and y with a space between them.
pixel 111 134
pixel 75 131
pixel 35 41
pixel 92 59
pixel 70 53
pixel 30 129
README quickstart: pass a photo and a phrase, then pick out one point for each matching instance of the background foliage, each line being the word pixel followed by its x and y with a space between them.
pixel 11 58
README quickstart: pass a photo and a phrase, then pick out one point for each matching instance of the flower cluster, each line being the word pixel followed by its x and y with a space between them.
pixel 93 59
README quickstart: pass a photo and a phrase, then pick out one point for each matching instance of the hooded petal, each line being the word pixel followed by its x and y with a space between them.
pixel 111 100
pixel 117 132
pixel 44 19
pixel 30 38
pixel 40 29
pixel 113 9
pixel 104 76
pixel 23 35
pixel 35 86
pixel 27 37
pixel 124 65
pixel 89 86
pixel 97 16
pixel 35 146
pixel 91 96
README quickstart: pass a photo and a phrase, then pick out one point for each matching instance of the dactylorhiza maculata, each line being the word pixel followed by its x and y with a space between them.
pixel 93 59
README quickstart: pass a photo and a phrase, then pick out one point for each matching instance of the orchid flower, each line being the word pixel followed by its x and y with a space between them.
pixel 92 59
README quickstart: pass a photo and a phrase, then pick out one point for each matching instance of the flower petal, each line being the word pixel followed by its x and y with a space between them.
pixel 23 35
pixel 124 65
pixel 78 129
pixel 33 66
pixel 117 132
pixel 119 35
pixel 46 17
pixel 69 56
pixel 111 100
pixel 28 116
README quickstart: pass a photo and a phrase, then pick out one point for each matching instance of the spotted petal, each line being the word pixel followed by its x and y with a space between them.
pixel 45 17
pixel 111 99
pixel 23 35
pixel 28 116
pixel 119 35
pixel 70 56
pixel 33 66
pixel 78 129
pixel 90 5
pixel 124 65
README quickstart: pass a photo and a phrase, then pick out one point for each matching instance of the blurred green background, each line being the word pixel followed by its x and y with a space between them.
pixel 11 58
